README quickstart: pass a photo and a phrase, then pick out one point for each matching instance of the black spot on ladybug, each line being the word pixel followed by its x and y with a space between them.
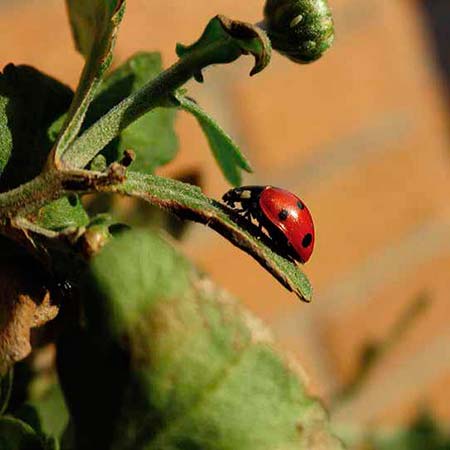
pixel 306 241
pixel 300 205
pixel 283 214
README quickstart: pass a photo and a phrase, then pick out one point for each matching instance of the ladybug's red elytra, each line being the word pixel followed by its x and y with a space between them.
pixel 282 214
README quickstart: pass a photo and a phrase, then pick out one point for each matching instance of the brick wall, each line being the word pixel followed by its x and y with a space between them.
pixel 362 136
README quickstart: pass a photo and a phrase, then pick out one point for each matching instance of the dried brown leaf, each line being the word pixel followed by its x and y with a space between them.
pixel 24 304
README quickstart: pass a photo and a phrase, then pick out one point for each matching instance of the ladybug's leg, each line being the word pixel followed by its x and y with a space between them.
pixel 256 214
pixel 277 237
pixel 245 213
pixel 244 209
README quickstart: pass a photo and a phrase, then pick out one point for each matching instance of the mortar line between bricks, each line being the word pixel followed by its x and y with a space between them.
pixel 411 376
pixel 359 147
pixel 420 246
pixel 356 148
pixel 361 283
pixel 428 241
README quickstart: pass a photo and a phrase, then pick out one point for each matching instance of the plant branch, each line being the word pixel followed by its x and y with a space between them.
pixel 184 200
pixel 189 203
pixel 31 195
pixel 223 41
pixel 54 184
pixel 95 138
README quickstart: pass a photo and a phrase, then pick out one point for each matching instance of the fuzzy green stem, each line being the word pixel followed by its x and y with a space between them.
pixel 53 184
pixel 152 95
pixel 186 201
pixel 32 195
pixel 216 46
pixel 48 185
pixel 6 381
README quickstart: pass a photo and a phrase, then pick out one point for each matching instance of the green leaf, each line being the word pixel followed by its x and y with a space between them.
pixel 98 164
pixel 30 102
pixel 188 202
pixel 30 105
pixel 18 435
pixel 93 21
pixel 28 414
pixel 63 213
pixel 51 410
pixel 5 390
pixel 151 137
pixel 168 361
pixel 225 150
pixel 230 39
pixel 94 26
pixel 223 41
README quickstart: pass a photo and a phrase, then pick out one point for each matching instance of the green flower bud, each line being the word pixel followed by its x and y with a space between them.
pixel 302 30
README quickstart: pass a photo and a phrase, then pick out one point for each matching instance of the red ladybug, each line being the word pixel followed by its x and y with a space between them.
pixel 283 215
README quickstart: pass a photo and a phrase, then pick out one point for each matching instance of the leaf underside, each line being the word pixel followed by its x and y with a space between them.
pixel 30 101
pixel 226 152
pixel 188 202
pixel 94 27
pixel 173 362
pixel 241 38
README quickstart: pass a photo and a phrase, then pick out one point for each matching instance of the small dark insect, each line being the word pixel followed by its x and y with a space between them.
pixel 282 214
pixel 65 287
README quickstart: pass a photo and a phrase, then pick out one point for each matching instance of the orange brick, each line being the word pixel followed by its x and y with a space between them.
pixel 361 135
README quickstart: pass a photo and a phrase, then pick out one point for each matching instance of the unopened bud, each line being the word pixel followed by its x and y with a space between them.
pixel 302 30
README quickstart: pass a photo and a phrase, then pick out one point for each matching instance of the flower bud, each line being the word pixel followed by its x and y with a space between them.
pixel 302 30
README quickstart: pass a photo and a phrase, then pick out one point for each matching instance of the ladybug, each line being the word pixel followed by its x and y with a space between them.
pixel 282 214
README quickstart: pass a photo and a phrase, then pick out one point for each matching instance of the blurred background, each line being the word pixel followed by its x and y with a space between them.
pixel 363 137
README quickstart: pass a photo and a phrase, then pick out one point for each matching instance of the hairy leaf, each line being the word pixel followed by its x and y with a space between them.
pixel 93 21
pixel 241 38
pixel 167 361
pixel 188 202
pixel 18 435
pixel 152 137
pixel 94 26
pixel 63 213
pixel 30 102
pixel 228 155
pixel 25 303
pixel 51 410
pixel 223 41
pixel 6 381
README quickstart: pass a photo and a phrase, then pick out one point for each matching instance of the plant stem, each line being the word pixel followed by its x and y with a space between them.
pixel 6 382
pixel 53 184
pixel 152 95
pixel 48 185
pixel 29 196
pixel 184 200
